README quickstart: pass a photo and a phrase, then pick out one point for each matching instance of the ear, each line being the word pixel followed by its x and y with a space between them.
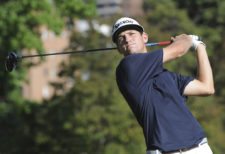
pixel 145 37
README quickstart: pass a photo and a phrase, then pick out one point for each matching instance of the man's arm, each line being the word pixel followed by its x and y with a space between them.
pixel 203 85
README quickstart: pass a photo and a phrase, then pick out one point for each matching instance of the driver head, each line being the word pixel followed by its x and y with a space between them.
pixel 11 61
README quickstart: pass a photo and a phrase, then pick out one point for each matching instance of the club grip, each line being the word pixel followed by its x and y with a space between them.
pixel 162 43
pixel 165 43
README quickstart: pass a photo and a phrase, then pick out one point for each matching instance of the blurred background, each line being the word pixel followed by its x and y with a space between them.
pixel 70 104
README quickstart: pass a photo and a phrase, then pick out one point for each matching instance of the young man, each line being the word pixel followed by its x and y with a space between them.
pixel 157 96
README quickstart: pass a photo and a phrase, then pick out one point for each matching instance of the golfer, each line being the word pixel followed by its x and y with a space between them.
pixel 157 96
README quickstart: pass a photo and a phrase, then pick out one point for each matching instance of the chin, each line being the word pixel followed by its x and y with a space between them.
pixel 133 52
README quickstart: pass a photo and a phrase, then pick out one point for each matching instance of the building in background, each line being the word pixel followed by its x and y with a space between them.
pixel 126 7
pixel 109 7
pixel 38 84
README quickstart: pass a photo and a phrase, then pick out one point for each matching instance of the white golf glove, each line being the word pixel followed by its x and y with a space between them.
pixel 196 40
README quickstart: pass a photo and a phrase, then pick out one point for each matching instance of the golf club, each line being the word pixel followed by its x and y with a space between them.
pixel 12 58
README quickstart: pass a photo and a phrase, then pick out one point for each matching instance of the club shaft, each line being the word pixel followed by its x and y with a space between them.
pixel 67 52
pixel 91 50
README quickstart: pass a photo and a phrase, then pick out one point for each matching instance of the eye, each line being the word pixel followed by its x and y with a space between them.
pixel 131 33
pixel 120 39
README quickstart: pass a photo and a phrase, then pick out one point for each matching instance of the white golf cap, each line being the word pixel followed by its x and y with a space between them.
pixel 125 23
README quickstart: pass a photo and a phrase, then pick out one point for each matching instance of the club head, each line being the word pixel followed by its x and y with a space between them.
pixel 11 61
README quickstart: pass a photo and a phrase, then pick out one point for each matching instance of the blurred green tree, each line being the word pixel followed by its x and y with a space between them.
pixel 19 29
pixel 91 116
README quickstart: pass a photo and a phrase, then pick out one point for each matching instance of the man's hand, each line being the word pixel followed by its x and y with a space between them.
pixel 180 46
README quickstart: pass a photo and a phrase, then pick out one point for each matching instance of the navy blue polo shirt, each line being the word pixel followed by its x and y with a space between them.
pixel 156 98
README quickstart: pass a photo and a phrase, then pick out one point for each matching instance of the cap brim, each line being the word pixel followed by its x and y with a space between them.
pixel 127 27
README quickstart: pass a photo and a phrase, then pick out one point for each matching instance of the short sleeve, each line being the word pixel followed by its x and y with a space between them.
pixel 182 81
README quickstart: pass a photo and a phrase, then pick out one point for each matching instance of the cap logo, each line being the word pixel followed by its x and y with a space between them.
pixel 123 22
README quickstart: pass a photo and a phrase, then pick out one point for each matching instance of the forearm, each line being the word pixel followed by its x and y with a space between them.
pixel 204 74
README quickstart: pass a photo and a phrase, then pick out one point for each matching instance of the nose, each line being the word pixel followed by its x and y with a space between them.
pixel 127 38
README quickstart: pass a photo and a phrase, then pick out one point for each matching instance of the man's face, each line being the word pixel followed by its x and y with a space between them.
pixel 131 41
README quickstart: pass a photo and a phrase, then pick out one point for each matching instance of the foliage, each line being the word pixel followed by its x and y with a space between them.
pixel 91 116
pixel 19 28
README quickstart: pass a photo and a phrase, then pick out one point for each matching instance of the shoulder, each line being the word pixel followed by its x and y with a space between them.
pixel 155 54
